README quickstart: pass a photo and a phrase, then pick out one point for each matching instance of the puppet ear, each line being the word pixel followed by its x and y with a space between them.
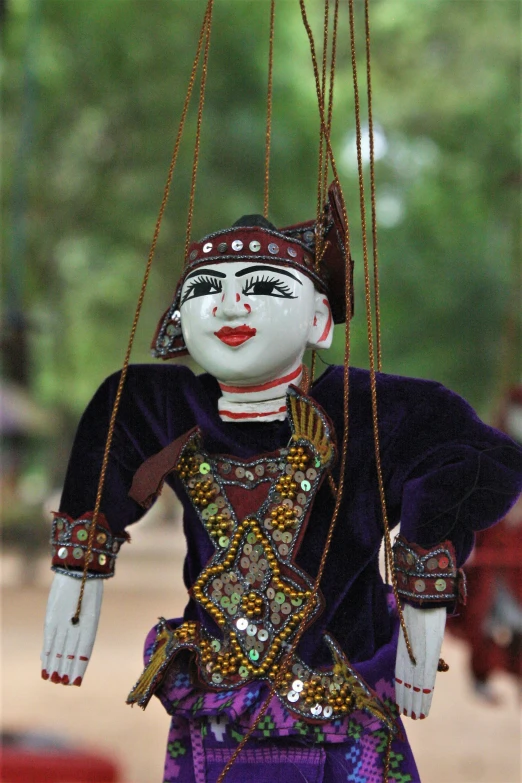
pixel 321 330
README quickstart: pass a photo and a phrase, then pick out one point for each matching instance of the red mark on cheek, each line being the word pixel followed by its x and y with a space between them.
pixel 315 320
pixel 237 297
pixel 248 308
pixel 223 298
pixel 214 311
pixel 328 323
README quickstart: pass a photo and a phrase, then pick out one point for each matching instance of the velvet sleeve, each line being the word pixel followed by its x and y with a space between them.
pixel 451 474
pixel 152 412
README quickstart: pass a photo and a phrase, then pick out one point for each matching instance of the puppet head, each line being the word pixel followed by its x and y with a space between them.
pixel 252 298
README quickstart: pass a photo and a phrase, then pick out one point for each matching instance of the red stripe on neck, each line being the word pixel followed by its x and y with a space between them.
pixel 233 415
pixel 263 386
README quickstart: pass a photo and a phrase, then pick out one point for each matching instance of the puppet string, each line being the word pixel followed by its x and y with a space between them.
pixel 373 381
pixel 268 133
pixel 378 343
pixel 90 542
pixel 204 73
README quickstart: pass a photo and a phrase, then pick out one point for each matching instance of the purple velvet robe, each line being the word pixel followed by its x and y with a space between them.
pixel 446 475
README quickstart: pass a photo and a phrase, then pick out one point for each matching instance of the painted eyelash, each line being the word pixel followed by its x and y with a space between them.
pixel 279 286
pixel 214 284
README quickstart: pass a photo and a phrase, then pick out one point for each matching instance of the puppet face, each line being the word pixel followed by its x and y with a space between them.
pixel 248 322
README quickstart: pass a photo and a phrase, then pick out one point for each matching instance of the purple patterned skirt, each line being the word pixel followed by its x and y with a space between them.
pixel 207 726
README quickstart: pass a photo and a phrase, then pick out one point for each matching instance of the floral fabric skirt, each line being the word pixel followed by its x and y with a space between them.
pixel 198 751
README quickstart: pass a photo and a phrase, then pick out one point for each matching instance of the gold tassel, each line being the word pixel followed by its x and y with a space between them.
pixel 142 691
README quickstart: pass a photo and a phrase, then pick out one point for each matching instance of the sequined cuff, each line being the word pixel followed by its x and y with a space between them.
pixel 427 577
pixel 69 540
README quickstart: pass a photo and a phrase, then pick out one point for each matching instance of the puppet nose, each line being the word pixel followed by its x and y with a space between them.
pixel 232 302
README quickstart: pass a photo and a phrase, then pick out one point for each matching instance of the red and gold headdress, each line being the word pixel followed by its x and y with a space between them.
pixel 294 246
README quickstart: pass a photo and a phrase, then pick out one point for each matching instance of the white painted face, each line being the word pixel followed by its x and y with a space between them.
pixel 251 322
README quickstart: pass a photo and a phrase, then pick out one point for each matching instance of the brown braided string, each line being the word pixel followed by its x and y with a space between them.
pixel 372 188
pixel 322 179
pixel 323 156
pixel 268 134
pixel 204 72
pixel 101 482
pixel 373 382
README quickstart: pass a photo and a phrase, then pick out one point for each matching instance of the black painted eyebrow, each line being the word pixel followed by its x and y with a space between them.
pixel 263 268
pixel 212 272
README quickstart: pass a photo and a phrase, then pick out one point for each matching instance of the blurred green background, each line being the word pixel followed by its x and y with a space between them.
pixel 92 96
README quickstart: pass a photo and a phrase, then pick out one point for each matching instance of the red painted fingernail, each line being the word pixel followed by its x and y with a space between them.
pixel 83 658
pixel 405 711
pixel 71 657
pixel 413 716
pixel 55 677
pixel 426 690
pixel 78 681
pixel 399 681
pixel 407 685
pixel 65 680
pixel 59 655
pixel 422 716
pixel 45 676
pixel 417 690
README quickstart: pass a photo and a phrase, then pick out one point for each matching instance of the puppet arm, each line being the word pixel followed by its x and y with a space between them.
pixel 67 648
pixel 414 683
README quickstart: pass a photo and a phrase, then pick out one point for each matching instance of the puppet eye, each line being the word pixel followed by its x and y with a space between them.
pixel 265 285
pixel 201 286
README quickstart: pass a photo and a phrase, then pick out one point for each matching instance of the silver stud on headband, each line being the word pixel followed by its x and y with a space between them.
pixel 207 247
pixel 255 246
pixel 237 245
pixel 273 248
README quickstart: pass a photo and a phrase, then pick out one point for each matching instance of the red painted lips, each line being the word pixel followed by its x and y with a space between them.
pixel 235 336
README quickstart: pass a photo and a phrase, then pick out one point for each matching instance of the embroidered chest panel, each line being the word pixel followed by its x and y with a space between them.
pixel 252 586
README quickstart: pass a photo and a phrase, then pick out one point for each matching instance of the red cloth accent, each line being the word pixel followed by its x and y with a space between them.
pixel 428 576
pixel 69 540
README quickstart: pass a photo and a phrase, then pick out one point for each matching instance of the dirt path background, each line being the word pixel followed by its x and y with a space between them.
pixel 463 740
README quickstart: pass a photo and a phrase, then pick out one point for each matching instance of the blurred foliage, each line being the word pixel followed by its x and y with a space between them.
pixel 106 82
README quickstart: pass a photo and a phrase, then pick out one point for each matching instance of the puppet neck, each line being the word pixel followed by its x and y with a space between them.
pixel 262 402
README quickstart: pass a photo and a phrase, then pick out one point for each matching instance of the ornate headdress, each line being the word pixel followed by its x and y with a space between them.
pixel 293 246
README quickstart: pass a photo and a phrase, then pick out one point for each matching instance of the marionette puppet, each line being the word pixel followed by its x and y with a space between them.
pixel 293 658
